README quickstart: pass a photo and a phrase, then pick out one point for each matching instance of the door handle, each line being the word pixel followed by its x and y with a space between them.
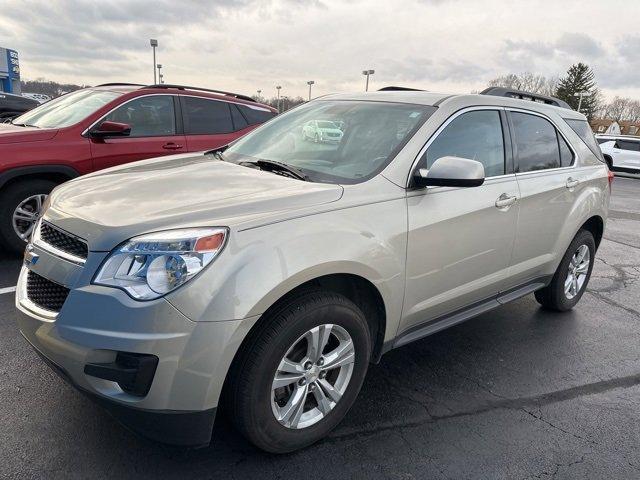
pixel 172 146
pixel 505 201
pixel 571 183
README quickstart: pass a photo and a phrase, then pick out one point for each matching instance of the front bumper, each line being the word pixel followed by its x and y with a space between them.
pixel 95 323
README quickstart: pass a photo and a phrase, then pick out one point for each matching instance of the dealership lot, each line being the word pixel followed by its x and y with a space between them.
pixel 515 393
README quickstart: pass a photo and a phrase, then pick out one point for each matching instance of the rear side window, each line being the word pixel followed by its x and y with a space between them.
pixel 203 116
pixel 583 130
pixel 603 140
pixel 628 145
pixel 475 135
pixel 255 116
pixel 536 143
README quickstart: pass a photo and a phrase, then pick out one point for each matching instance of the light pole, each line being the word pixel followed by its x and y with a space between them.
pixel 580 95
pixel 367 73
pixel 154 43
pixel 310 82
pixel 259 92
pixel 159 65
pixel 278 101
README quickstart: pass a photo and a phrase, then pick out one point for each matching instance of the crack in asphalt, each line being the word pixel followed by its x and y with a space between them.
pixel 621 243
pixel 506 404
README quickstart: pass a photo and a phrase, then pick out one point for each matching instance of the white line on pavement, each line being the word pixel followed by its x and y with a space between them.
pixel 7 290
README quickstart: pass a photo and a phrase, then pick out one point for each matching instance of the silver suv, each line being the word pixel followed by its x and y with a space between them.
pixel 263 279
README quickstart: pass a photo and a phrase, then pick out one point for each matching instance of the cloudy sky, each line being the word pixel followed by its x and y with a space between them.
pixel 246 45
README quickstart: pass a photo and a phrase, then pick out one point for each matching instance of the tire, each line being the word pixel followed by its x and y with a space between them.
pixel 554 296
pixel 252 403
pixel 10 198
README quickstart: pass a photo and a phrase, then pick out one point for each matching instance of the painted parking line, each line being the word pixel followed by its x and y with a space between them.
pixel 7 290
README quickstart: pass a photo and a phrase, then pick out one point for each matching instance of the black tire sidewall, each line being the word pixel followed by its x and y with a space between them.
pixel 10 198
pixel 266 432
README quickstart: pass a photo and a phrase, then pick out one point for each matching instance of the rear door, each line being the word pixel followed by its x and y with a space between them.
pixel 626 154
pixel 210 123
pixel 154 132
pixel 549 185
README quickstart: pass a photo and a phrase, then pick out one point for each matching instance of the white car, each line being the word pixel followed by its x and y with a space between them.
pixel 322 131
pixel 622 152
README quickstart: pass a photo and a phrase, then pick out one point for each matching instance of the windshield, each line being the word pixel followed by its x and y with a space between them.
pixel 66 110
pixel 372 134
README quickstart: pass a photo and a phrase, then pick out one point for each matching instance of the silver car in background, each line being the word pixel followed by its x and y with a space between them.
pixel 261 280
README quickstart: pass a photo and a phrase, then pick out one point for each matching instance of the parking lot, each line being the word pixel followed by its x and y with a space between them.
pixel 516 393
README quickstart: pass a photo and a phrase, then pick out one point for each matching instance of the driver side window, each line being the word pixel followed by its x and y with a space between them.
pixel 475 135
pixel 149 116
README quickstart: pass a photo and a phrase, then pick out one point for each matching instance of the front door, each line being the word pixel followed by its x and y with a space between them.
pixel 153 132
pixel 460 240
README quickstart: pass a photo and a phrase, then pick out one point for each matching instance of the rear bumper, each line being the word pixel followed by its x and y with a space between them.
pixel 182 428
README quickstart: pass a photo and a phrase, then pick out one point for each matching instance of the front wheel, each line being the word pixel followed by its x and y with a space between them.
pixel 572 276
pixel 299 375
pixel 20 208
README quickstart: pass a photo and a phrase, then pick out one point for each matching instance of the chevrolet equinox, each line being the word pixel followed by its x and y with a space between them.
pixel 262 279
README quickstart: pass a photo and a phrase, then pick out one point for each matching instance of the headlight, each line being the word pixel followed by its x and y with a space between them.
pixel 150 266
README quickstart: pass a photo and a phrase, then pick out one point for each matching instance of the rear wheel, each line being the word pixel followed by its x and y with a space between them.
pixel 20 208
pixel 572 276
pixel 300 374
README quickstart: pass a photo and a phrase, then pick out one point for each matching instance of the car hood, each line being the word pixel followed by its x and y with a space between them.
pixel 111 206
pixel 14 134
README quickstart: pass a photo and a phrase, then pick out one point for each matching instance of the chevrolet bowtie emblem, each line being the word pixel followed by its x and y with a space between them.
pixel 30 258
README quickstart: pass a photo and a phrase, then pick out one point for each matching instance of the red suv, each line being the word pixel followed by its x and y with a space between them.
pixel 104 126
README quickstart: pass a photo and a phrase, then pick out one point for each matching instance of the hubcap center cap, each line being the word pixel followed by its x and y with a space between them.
pixel 313 374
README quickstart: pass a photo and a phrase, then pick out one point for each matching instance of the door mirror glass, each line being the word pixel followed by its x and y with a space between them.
pixel 111 129
pixel 450 172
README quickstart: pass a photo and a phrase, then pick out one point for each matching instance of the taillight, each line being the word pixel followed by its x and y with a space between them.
pixel 610 177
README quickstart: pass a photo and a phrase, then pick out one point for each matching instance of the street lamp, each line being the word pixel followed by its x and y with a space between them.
pixel 278 101
pixel 580 95
pixel 154 43
pixel 259 92
pixel 367 73
pixel 310 82
pixel 159 73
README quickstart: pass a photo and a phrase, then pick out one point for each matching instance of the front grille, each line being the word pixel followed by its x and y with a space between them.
pixel 45 293
pixel 63 241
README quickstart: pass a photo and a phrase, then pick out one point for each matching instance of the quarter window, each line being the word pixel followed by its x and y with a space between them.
pixel 628 145
pixel 536 143
pixel 476 135
pixel 255 116
pixel 203 116
pixel 566 155
pixel 148 116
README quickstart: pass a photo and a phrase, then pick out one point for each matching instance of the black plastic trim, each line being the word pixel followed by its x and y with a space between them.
pixel 36 169
pixel 522 95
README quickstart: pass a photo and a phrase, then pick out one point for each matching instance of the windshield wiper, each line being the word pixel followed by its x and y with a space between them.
pixel 24 125
pixel 273 166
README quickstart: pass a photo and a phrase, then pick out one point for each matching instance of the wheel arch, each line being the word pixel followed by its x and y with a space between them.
pixel 55 173
pixel 595 225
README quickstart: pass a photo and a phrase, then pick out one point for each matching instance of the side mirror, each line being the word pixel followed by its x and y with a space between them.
pixel 450 172
pixel 110 129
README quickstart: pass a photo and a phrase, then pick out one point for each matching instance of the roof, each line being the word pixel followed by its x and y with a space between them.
pixel 454 100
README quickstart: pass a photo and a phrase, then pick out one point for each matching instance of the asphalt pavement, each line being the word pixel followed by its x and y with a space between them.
pixel 516 393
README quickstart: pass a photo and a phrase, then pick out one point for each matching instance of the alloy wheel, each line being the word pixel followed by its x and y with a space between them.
pixel 26 215
pixel 577 273
pixel 312 376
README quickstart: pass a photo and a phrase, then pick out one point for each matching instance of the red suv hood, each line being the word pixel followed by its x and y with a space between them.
pixel 14 134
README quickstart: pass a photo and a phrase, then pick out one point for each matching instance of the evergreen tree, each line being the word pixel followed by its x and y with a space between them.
pixel 579 78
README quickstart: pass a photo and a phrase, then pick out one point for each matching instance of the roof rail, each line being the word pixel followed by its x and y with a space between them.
pixel 399 89
pixel 184 87
pixel 534 97
pixel 120 84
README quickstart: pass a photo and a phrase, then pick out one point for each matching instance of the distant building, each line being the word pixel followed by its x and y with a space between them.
pixel 623 127
pixel 9 71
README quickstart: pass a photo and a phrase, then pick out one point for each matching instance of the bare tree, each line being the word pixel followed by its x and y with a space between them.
pixel 528 82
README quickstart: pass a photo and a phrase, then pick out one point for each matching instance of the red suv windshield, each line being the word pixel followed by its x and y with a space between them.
pixel 67 110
